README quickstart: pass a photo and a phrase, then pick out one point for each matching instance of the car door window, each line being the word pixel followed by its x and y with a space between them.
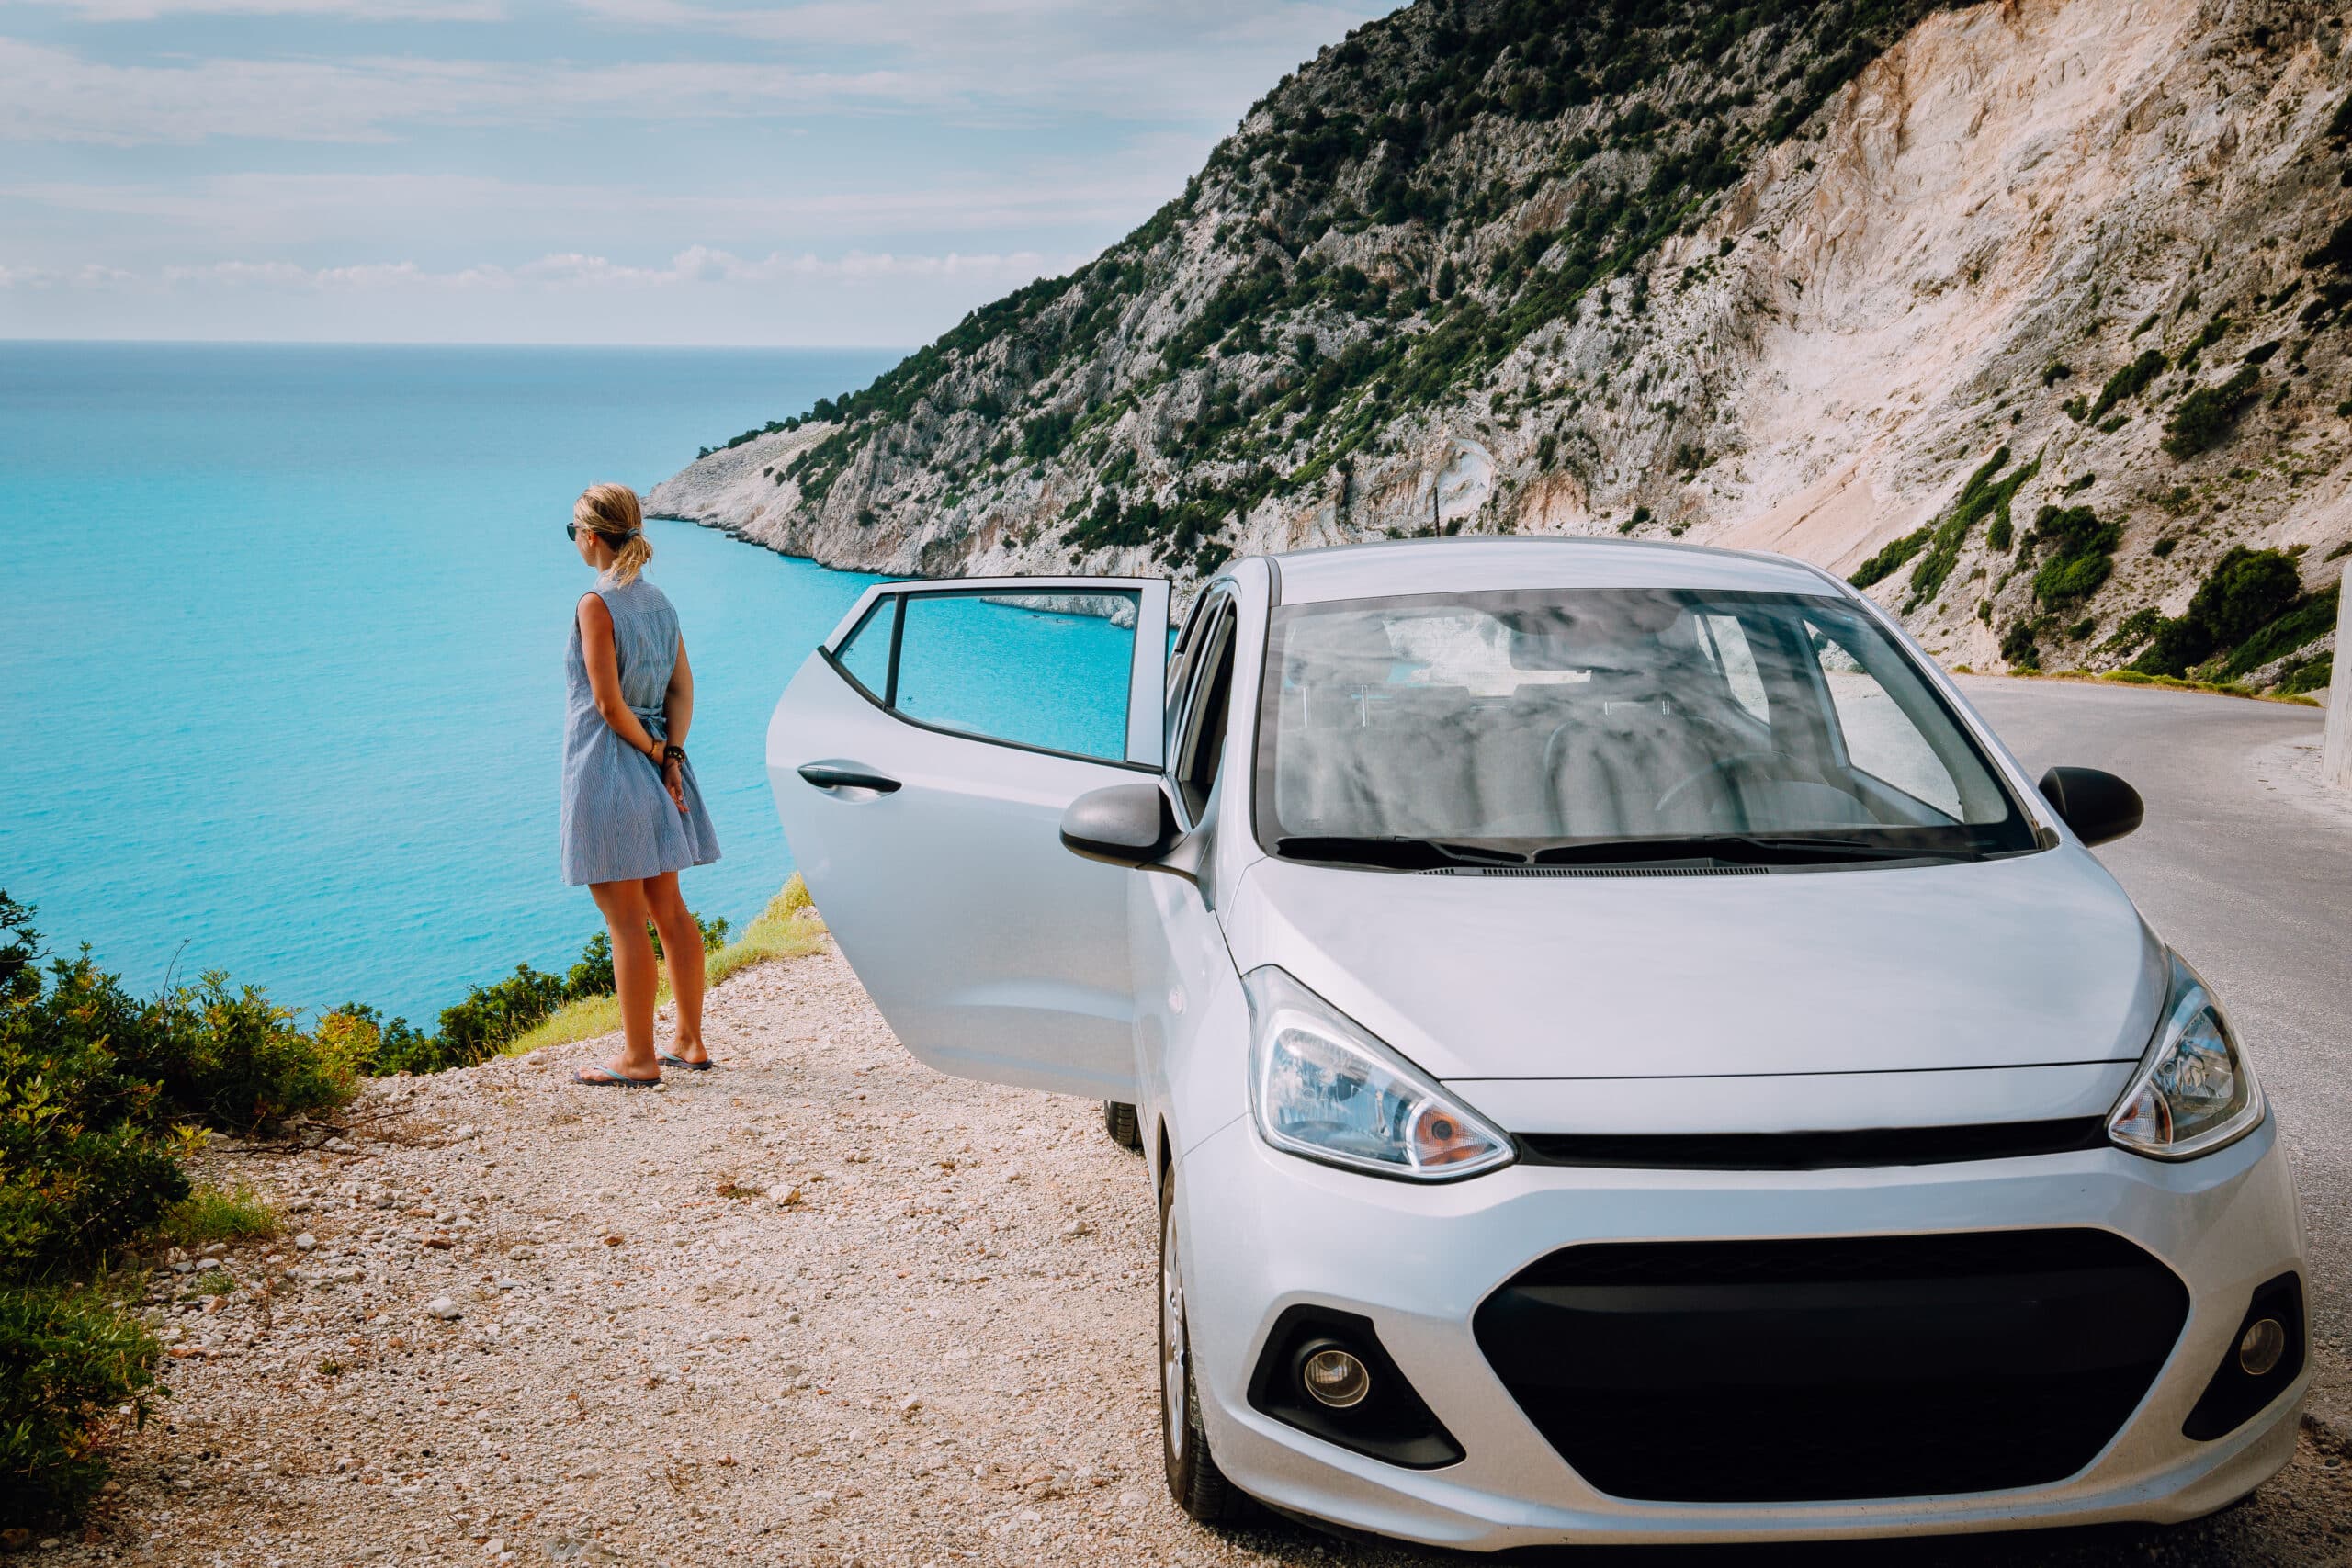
pixel 1881 738
pixel 865 655
pixel 1204 724
pixel 1049 669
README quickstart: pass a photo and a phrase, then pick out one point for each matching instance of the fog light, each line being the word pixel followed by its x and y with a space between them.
pixel 1335 1378
pixel 2260 1349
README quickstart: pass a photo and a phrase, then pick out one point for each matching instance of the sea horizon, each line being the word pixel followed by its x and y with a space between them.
pixel 287 620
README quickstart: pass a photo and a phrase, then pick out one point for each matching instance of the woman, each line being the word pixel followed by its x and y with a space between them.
pixel 632 815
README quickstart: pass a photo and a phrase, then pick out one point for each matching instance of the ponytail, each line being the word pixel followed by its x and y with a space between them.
pixel 613 513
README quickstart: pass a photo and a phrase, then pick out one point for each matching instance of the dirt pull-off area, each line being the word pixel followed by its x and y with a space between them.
pixel 822 1307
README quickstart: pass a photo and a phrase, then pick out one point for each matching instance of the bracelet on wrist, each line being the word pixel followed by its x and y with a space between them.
pixel 672 754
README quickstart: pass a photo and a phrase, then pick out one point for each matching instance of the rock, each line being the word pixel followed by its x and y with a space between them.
pixel 306 1242
pixel 340 1147
pixel 298 1206
pixel 445 1309
pixel 218 1249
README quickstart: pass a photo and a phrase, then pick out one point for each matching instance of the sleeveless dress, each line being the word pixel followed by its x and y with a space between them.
pixel 619 824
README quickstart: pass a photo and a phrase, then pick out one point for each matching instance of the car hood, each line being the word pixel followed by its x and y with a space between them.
pixel 2033 960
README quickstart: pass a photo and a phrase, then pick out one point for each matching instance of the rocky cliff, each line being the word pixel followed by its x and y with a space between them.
pixel 2028 315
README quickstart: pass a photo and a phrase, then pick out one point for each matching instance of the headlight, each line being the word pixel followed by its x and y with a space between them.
pixel 2195 1093
pixel 1324 1088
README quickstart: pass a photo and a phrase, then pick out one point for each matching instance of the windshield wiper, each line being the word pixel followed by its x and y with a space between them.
pixel 1770 849
pixel 1398 853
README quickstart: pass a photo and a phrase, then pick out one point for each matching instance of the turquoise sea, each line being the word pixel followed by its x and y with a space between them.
pixel 283 630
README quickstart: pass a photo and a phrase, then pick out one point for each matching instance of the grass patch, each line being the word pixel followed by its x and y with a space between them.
pixel 213 1282
pixel 209 1215
pixel 2218 688
pixel 779 932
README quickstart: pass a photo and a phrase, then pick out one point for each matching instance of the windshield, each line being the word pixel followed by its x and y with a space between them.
pixel 1611 724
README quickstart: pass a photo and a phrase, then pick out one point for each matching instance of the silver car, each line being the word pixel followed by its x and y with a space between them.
pixel 1623 1052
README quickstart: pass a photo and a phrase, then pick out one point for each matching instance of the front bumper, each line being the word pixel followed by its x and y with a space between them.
pixel 1266 1232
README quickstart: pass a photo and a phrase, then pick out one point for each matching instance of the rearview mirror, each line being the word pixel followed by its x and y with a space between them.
pixel 1131 825
pixel 2097 806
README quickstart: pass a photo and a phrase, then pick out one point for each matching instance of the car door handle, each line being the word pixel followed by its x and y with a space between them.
pixel 847 775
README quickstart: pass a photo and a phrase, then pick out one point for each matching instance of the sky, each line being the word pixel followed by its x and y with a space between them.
pixel 831 172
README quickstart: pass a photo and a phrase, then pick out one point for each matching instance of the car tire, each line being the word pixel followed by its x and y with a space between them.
pixel 1119 1121
pixel 1199 1488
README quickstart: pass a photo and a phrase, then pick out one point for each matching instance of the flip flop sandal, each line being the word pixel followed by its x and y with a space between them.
pixel 603 1077
pixel 702 1066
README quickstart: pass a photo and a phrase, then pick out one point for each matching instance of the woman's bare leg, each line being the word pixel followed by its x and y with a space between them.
pixel 635 974
pixel 682 946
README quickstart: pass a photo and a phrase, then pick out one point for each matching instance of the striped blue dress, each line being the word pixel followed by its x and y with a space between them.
pixel 619 824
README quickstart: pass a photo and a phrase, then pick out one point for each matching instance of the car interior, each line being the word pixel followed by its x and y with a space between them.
pixel 1634 715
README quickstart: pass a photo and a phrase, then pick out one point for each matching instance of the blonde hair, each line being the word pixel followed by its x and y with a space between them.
pixel 612 513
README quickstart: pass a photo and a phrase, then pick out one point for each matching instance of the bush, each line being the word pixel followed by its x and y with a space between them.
pixel 228 1056
pixel 2201 421
pixel 2084 555
pixel 2018 647
pixel 2247 590
pixel 2129 381
pixel 2243 595
pixel 85 1148
pixel 68 1360
pixel 1890 559
pixel 85 1165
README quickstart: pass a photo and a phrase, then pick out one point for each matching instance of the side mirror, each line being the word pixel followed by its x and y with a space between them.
pixel 1131 825
pixel 2097 806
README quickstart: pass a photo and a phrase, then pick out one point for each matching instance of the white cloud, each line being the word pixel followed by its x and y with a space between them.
pixel 58 97
pixel 349 10
pixel 247 210
pixel 696 265
pixel 1014 59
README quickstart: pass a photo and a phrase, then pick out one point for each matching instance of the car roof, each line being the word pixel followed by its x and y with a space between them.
pixel 1385 568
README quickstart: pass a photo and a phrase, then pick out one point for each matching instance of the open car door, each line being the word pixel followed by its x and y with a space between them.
pixel 921 759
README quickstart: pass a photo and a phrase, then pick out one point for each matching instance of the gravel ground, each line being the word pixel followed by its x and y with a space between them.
pixel 822 1307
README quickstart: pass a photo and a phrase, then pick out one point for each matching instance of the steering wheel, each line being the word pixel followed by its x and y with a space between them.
pixel 1719 773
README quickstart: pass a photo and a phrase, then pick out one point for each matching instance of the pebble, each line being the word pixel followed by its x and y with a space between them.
pixel 306 1242
pixel 443 1308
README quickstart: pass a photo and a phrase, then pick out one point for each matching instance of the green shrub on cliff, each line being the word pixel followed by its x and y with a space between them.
pixel 2200 421
pixel 2244 597
pixel 86 1165
pixel 69 1362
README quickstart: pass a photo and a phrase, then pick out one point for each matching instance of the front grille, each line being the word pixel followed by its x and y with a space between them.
pixel 1814 1151
pixel 1772 1371
pixel 1604 871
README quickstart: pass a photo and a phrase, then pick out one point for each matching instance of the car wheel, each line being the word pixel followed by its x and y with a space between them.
pixel 1199 1486
pixel 1119 1121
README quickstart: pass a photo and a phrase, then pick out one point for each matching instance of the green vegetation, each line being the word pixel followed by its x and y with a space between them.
pixel 1982 497
pixel 2082 558
pixel 2250 609
pixel 2129 381
pixel 87 1165
pixel 779 932
pixel 2202 420
pixel 1891 558
pixel 209 1215
pixel 1278 359
pixel 100 1095
pixel 69 1361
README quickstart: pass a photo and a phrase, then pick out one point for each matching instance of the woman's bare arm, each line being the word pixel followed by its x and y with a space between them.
pixel 678 702
pixel 603 664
